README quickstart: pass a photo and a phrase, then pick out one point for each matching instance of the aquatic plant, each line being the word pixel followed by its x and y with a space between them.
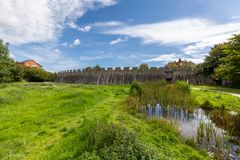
pixel 177 94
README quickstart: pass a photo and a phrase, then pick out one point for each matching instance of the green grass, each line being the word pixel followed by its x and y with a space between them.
pixel 52 121
pixel 219 88
pixel 217 98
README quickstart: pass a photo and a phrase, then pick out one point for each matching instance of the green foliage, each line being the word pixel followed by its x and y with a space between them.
pixel 183 86
pixel 49 121
pixel 135 89
pixel 144 67
pixel 97 67
pixel 177 94
pixel 4 52
pixel 113 142
pixel 37 75
pixel 9 70
pixel 223 62
pixel 218 100
pixel 88 156
pixel 207 105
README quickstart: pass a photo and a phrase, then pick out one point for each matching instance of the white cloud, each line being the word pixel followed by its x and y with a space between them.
pixel 76 42
pixel 82 29
pixel 85 29
pixel 118 40
pixel 97 57
pixel 163 58
pixel 199 33
pixel 49 56
pixel 28 21
pixel 72 25
pixel 108 24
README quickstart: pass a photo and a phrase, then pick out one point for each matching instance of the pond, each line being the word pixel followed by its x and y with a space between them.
pixel 200 126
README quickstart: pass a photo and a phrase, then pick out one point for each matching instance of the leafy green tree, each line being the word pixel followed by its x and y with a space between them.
pixel 97 67
pixel 4 52
pixel 213 60
pixel 37 75
pixel 223 62
pixel 9 70
pixel 144 67
pixel 229 68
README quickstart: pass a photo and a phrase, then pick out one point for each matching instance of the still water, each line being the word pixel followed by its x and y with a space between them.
pixel 197 124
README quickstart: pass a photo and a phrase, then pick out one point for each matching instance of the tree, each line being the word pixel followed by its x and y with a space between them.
pixel 4 52
pixel 213 60
pixel 37 75
pixel 144 67
pixel 9 70
pixel 223 62
pixel 97 67
pixel 229 68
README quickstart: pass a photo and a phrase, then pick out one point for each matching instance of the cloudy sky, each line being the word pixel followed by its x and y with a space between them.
pixel 69 34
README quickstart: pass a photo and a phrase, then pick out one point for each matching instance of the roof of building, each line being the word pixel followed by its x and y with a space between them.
pixel 31 60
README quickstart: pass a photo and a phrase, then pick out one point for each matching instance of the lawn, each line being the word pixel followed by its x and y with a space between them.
pixel 50 121
pixel 220 89
pixel 216 96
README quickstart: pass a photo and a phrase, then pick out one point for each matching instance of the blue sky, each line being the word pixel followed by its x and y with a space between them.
pixel 71 34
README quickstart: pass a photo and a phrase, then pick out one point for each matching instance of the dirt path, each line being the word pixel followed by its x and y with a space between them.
pixel 233 94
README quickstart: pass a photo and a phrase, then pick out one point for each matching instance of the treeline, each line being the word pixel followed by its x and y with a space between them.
pixel 11 71
pixel 223 62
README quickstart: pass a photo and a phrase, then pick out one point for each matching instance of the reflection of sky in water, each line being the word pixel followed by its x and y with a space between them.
pixel 188 121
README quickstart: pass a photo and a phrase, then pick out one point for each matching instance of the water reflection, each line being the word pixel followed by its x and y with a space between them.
pixel 196 124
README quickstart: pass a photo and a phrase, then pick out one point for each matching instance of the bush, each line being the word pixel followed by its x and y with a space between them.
pixel 183 86
pixel 37 75
pixel 111 142
pixel 10 71
pixel 135 89
pixel 207 105
pixel 88 156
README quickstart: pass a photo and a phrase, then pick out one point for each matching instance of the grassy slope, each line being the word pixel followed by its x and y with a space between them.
pixel 46 121
pixel 217 98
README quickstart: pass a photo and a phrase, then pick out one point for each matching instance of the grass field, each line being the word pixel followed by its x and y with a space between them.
pixel 219 88
pixel 50 121
pixel 214 95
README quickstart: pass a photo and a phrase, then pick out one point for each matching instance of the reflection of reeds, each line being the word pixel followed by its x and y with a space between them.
pixel 210 138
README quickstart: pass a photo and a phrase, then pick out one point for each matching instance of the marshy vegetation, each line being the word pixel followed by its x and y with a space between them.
pixel 211 128
pixel 162 92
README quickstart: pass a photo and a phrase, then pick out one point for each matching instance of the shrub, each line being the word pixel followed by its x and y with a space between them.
pixel 10 71
pixel 135 89
pixel 207 105
pixel 133 104
pixel 183 86
pixel 37 75
pixel 88 156
pixel 110 142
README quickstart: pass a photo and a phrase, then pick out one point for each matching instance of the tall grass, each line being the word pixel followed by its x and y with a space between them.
pixel 177 94
pixel 111 141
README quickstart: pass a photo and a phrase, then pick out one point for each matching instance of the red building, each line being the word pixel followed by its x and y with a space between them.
pixel 31 64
